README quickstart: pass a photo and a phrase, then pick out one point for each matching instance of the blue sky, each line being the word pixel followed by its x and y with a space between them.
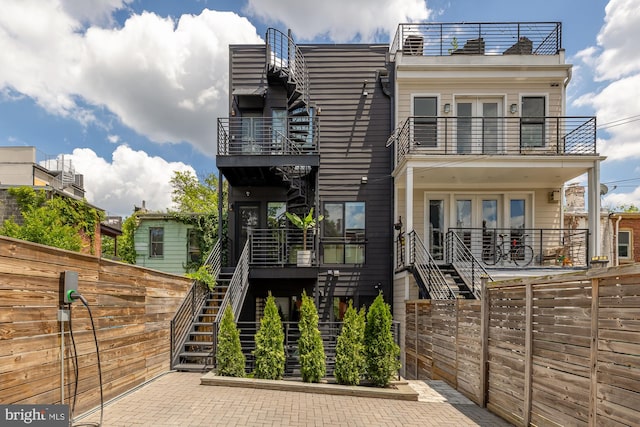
pixel 130 89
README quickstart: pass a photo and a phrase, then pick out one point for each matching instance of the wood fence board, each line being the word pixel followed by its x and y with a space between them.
pixel 620 290
pixel 620 324
pixel 618 413
pixel 621 396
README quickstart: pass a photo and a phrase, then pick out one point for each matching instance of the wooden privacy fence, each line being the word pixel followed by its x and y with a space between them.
pixel 554 350
pixel 131 307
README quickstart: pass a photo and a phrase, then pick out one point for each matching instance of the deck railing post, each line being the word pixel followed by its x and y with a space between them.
pixel 484 342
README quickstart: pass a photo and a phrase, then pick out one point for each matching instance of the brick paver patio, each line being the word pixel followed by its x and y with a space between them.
pixel 178 399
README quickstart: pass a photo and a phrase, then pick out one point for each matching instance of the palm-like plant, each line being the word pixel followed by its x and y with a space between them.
pixel 304 223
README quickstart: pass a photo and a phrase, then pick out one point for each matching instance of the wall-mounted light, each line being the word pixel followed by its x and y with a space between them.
pixel 447 108
pixel 514 108
pixel 247 193
pixel 364 89
pixel 364 180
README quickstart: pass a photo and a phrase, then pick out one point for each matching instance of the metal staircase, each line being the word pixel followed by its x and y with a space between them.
pixel 431 281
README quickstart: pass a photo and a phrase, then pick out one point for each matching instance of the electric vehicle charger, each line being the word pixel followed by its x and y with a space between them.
pixel 72 296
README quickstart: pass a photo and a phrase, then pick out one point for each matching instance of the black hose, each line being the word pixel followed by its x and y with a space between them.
pixel 76 295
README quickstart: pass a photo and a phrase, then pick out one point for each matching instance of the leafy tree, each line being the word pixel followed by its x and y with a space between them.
pixel 310 347
pixel 55 221
pixel 381 352
pixel 269 352
pixel 229 357
pixel 350 361
pixel 203 275
pixel 196 203
pixel 126 244
pixel 192 196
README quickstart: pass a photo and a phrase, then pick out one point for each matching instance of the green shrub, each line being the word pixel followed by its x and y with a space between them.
pixel 381 352
pixel 310 347
pixel 269 352
pixel 350 348
pixel 229 357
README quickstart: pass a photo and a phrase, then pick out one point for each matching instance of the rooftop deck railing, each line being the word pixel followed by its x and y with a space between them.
pixel 553 136
pixel 479 38
pixel 277 247
pixel 297 135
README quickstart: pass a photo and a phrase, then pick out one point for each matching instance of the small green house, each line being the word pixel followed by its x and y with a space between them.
pixel 166 243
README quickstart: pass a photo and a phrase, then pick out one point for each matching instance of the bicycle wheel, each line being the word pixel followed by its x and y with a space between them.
pixel 491 256
pixel 523 255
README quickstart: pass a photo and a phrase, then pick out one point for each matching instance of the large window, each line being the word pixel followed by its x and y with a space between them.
pixel 344 233
pixel 156 242
pixel 532 127
pixel 624 244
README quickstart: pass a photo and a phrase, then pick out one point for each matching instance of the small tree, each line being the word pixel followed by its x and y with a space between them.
pixel 310 347
pixel 350 348
pixel 381 352
pixel 229 357
pixel 304 223
pixel 269 352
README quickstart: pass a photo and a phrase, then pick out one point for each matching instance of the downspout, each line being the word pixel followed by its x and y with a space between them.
pixel 615 241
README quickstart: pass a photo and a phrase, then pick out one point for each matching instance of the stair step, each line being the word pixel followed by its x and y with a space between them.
pixel 198 343
pixel 191 367
pixel 200 333
pixel 196 354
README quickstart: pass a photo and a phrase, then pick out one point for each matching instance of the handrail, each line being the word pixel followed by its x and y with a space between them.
pixel 465 263
pixel 519 136
pixel 283 53
pixel 192 304
pixel 479 38
pixel 294 136
pixel 424 264
pixel 238 286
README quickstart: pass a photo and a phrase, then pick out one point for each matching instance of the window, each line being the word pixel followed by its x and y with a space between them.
pixel 193 246
pixel 425 121
pixel 156 242
pixel 624 244
pixel 532 122
pixel 344 233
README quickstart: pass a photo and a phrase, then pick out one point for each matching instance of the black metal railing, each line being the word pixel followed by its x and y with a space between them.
pixel 479 38
pixel 425 266
pixel 238 286
pixel 192 305
pixel 283 54
pixel 277 246
pixel 329 332
pixel 296 135
pixel 470 269
pixel 549 247
pixel 551 136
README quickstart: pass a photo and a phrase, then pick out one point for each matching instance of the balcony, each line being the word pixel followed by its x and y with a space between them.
pixel 253 150
pixel 480 38
pixel 513 136
pixel 277 247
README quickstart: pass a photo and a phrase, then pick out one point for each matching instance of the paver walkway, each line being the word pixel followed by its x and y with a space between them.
pixel 178 399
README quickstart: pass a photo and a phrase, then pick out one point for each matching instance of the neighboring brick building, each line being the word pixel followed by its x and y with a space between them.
pixel 627 237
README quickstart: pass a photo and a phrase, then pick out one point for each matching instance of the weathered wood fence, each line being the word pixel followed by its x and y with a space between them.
pixel 132 308
pixel 556 350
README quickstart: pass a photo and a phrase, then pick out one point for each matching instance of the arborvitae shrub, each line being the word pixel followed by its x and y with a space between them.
pixel 310 346
pixel 381 352
pixel 350 348
pixel 229 357
pixel 269 352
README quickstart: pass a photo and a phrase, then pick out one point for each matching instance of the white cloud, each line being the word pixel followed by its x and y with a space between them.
pixel 165 79
pixel 131 177
pixel 340 20
pixel 615 199
pixel 94 11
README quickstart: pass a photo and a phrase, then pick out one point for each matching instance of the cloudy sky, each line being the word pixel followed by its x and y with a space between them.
pixel 130 89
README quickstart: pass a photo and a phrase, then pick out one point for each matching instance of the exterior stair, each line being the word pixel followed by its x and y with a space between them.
pixel 457 284
pixel 197 354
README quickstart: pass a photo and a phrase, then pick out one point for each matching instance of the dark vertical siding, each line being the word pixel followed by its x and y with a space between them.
pixel 353 133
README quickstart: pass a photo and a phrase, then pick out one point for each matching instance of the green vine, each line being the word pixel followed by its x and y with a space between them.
pixel 52 219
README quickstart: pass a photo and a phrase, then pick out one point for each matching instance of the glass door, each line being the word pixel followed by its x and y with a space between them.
pixel 478 125
pixel 435 238
pixel 248 219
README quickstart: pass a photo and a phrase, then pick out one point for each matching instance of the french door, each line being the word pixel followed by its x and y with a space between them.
pixel 478 127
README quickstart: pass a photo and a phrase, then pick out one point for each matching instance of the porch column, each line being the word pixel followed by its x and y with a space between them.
pixel 594 210
pixel 409 201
